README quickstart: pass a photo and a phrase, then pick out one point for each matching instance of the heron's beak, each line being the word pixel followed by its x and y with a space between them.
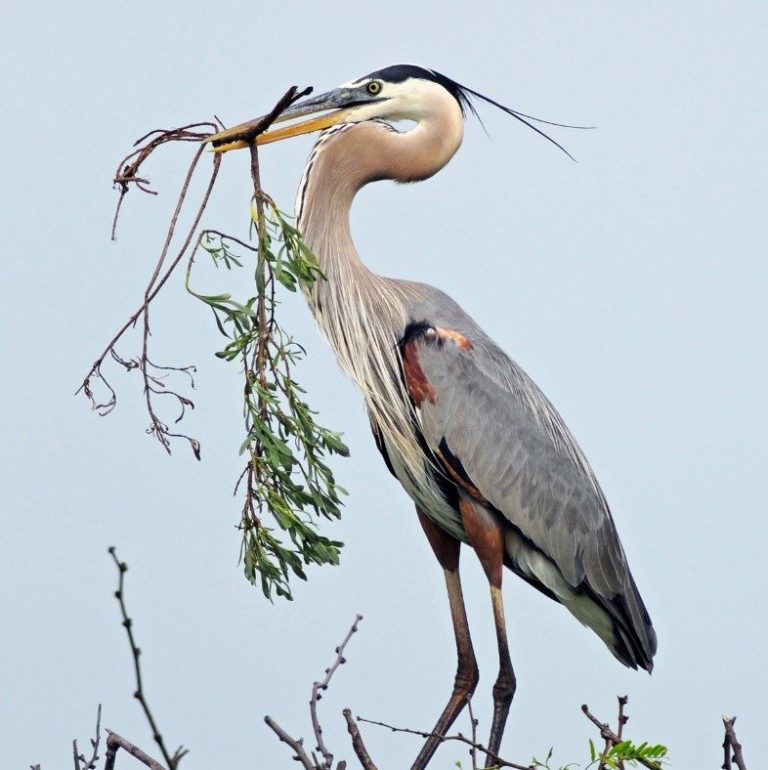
pixel 340 101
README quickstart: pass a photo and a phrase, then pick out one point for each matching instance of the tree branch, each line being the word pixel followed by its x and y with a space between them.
pixel 731 743
pixel 357 742
pixel 613 739
pixel 459 737
pixel 115 742
pixel 80 761
pixel 319 687
pixel 297 744
pixel 172 761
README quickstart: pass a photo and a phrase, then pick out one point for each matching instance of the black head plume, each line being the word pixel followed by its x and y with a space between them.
pixel 465 96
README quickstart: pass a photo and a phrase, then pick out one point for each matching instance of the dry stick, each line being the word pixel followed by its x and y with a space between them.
pixel 126 173
pixel 172 761
pixel 319 687
pixel 357 741
pixel 163 434
pixel 249 131
pixel 498 761
pixel 115 742
pixel 95 369
pixel 731 742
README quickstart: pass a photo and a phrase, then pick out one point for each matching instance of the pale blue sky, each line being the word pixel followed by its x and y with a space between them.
pixel 631 285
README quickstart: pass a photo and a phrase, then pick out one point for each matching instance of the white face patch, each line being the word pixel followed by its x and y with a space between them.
pixel 414 99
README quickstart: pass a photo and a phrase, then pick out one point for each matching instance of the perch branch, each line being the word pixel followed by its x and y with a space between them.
pixel 459 738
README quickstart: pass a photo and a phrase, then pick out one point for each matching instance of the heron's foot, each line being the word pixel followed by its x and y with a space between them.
pixel 503 692
pixel 466 681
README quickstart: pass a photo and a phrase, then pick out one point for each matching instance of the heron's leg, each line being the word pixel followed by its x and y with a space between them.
pixel 446 550
pixel 486 536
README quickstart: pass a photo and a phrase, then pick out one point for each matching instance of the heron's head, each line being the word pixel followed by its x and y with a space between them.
pixel 400 92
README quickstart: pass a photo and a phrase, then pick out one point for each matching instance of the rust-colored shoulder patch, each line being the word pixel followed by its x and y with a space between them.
pixel 458 339
pixel 419 387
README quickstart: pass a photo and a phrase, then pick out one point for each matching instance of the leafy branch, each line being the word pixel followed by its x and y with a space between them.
pixel 286 474
pixel 286 482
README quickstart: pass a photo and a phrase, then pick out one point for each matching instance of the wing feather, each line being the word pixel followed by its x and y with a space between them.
pixel 517 452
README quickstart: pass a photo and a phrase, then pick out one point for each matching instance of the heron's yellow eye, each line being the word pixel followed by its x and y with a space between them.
pixel 374 87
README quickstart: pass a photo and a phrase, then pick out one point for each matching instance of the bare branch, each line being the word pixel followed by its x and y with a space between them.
pixel 115 742
pixel 296 744
pixel 731 743
pixel 611 738
pixel 174 760
pixel 623 719
pixel 459 737
pixel 319 687
pixel 357 742
pixel 473 723
pixel 127 169
pixel 80 761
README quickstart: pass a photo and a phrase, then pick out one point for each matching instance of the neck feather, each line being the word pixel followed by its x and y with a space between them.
pixel 364 315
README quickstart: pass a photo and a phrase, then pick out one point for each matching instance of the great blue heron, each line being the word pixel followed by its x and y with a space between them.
pixel 480 450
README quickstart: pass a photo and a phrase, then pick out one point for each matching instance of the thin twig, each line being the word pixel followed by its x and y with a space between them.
pixel 730 742
pixel 623 719
pixel 148 298
pixel 80 761
pixel 115 742
pixel 357 741
pixel 473 724
pixel 459 737
pixel 319 687
pixel 127 169
pixel 172 761
pixel 296 744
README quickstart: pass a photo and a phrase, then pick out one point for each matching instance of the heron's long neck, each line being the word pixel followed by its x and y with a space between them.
pixel 364 315
pixel 349 156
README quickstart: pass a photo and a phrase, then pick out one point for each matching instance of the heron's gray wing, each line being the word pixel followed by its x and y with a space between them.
pixel 490 426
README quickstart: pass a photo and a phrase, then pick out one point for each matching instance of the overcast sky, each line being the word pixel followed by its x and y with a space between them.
pixel 631 285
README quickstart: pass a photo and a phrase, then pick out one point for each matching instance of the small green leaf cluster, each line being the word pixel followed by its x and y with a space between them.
pixel 287 480
pixel 622 755
pixel 629 754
